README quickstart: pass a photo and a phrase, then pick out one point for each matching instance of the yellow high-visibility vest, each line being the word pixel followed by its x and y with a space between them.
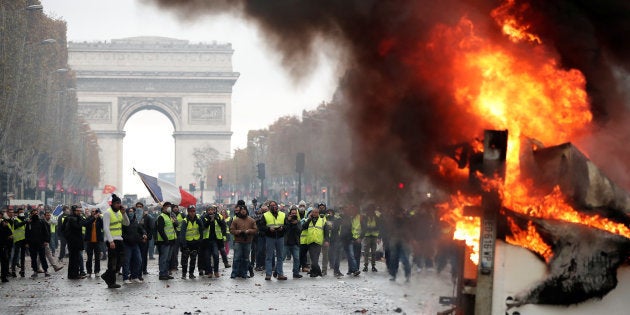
pixel 19 233
pixel 192 230
pixel 315 232
pixel 371 227
pixel 115 222
pixel 356 227
pixel 168 229
pixel 274 222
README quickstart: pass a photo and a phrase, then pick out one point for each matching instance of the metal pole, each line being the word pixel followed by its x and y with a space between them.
pixel 262 189
pixel 494 155
pixel 299 192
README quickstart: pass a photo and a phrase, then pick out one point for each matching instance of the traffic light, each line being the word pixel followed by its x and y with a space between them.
pixel 261 170
pixel 191 187
pixel 220 181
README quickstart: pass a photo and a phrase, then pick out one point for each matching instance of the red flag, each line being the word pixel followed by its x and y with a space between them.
pixel 109 189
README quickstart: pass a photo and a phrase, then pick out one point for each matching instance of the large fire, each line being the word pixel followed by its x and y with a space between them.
pixel 530 96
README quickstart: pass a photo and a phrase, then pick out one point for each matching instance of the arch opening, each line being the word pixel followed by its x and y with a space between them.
pixel 148 146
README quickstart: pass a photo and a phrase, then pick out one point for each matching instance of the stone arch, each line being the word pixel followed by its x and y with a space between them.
pixel 169 106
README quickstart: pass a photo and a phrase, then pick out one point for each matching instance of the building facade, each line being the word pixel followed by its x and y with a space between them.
pixel 189 83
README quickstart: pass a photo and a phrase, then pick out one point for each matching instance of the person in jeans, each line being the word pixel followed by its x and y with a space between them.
pixel 292 240
pixel 133 235
pixel 273 225
pixel 243 228
pixel 93 239
pixel 166 237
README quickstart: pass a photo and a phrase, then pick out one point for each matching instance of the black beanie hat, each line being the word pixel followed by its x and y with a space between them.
pixel 240 203
pixel 115 198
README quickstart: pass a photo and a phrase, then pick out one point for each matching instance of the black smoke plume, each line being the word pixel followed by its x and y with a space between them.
pixel 396 89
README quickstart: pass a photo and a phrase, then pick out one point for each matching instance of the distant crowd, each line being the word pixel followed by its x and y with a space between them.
pixel 194 241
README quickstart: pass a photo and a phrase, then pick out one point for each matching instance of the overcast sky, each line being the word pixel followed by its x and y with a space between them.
pixel 263 92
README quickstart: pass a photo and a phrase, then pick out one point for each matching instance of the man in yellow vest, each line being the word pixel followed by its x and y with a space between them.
pixel 113 221
pixel 214 228
pixel 274 225
pixel 350 237
pixel 317 234
pixel 18 225
pixel 372 227
pixel 166 237
pixel 177 218
pixel 189 241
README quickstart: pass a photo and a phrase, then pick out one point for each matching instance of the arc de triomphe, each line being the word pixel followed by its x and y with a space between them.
pixel 189 83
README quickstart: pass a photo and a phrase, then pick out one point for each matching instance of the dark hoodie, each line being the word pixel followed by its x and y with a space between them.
pixel 132 233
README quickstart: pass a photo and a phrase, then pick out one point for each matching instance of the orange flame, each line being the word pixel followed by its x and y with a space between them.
pixel 524 91
pixel 466 227
pixel 529 239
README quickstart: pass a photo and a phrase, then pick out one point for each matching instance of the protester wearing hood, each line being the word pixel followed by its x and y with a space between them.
pixel 133 235
pixel 166 237
pixel 113 220
pixel 37 237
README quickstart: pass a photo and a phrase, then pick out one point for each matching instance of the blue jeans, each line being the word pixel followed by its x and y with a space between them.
pixel 352 263
pixel 241 259
pixel 271 245
pixel 165 258
pixel 53 242
pixel 151 248
pixel 294 250
pixel 133 262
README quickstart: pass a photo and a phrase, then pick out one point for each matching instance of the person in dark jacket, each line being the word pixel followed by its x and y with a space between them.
pixel 292 240
pixel 93 241
pixel 189 241
pixel 74 238
pixel 147 222
pixel 37 237
pixel 133 235
pixel 333 220
pixel 6 243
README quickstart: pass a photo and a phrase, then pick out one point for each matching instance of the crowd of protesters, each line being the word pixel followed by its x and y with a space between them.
pixel 195 240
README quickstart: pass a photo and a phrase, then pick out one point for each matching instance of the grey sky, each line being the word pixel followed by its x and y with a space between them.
pixel 263 92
